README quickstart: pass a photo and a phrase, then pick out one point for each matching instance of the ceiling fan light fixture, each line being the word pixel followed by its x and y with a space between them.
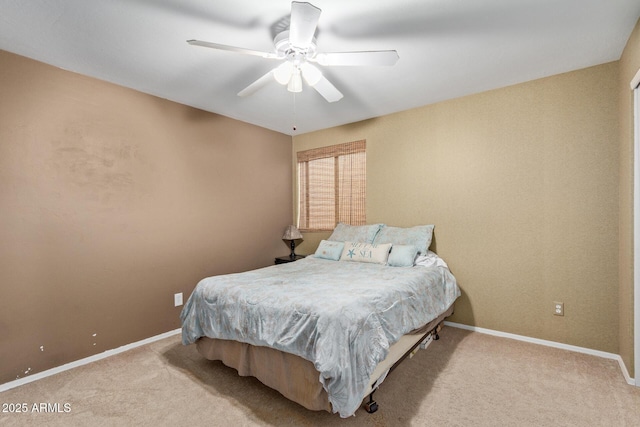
pixel 311 73
pixel 283 72
pixel 295 83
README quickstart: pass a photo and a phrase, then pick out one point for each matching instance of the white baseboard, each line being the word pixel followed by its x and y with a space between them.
pixel 85 361
pixel 554 344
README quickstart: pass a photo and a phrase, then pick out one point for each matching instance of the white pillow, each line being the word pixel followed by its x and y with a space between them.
pixel 431 259
pixel 365 252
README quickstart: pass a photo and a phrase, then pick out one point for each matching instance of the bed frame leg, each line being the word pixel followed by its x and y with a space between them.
pixel 436 330
pixel 371 406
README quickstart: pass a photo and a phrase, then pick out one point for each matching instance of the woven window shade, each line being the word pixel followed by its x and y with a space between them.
pixel 332 182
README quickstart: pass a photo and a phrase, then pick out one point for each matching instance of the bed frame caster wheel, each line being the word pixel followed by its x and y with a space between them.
pixel 371 407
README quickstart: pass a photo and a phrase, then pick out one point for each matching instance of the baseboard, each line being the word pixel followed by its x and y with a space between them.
pixel 85 361
pixel 109 353
pixel 554 344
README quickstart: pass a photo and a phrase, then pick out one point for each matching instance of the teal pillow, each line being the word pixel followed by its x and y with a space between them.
pixel 355 233
pixel 418 236
pixel 402 256
pixel 329 250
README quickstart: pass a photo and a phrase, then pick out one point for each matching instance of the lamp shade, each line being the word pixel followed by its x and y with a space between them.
pixel 291 233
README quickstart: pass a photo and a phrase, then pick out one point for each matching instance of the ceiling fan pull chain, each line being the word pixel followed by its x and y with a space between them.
pixel 294 111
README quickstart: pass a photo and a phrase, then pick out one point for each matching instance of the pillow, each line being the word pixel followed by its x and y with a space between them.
pixel 418 236
pixel 402 256
pixel 431 259
pixel 355 233
pixel 329 250
pixel 365 252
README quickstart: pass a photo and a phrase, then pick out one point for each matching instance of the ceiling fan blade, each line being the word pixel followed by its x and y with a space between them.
pixel 327 90
pixel 257 85
pixel 233 49
pixel 304 20
pixel 373 57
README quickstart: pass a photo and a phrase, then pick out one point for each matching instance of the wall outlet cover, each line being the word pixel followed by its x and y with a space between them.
pixel 558 308
pixel 177 299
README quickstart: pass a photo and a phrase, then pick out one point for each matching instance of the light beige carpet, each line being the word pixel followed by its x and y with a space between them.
pixel 464 379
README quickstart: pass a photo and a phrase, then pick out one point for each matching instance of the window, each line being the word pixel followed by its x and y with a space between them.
pixel 332 186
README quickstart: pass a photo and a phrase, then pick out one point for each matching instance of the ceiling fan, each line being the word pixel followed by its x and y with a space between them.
pixel 297 47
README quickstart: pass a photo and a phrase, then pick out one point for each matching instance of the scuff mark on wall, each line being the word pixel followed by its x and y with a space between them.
pixel 103 168
pixel 25 373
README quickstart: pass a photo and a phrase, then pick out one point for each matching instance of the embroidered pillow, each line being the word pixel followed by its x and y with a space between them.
pixel 402 256
pixel 418 236
pixel 329 250
pixel 365 252
pixel 355 233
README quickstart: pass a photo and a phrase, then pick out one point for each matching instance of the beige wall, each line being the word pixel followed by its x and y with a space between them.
pixel 522 185
pixel 629 65
pixel 111 201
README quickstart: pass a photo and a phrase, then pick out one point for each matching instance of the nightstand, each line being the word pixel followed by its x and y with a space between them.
pixel 287 258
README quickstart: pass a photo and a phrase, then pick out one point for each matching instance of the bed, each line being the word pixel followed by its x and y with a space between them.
pixel 325 330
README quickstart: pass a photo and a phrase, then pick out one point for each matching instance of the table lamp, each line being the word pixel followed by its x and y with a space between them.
pixel 292 234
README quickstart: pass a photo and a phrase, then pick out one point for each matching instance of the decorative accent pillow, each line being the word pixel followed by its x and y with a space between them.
pixel 329 250
pixel 402 256
pixel 418 236
pixel 365 252
pixel 355 233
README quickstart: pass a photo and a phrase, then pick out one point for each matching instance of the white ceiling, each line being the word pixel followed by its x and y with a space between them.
pixel 447 49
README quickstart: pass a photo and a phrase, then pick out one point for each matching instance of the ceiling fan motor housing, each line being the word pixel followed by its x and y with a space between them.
pixel 288 51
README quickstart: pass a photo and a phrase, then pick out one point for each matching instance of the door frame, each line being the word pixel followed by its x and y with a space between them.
pixel 635 83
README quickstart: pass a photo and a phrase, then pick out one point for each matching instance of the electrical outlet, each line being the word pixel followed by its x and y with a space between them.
pixel 558 308
pixel 177 299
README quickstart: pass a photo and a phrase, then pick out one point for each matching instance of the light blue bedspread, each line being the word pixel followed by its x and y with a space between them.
pixel 342 316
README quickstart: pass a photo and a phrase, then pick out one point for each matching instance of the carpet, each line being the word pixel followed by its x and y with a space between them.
pixel 464 379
